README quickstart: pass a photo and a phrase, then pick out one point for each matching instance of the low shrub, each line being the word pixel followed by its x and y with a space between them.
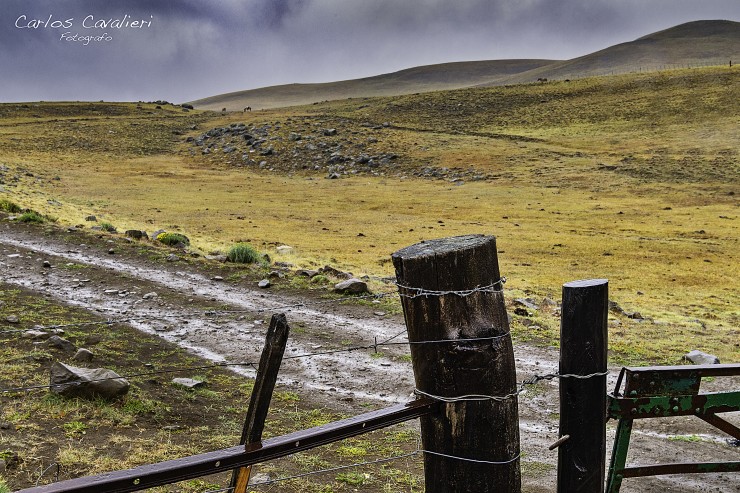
pixel 10 206
pixel 108 227
pixel 173 239
pixel 4 488
pixel 31 217
pixel 243 253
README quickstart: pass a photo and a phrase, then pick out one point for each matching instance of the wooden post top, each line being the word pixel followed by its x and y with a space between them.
pixel 441 246
pixel 585 283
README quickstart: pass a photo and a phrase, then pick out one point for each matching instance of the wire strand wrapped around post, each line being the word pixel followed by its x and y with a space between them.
pixel 451 291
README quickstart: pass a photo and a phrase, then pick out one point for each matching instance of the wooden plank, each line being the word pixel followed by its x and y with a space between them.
pixel 151 475
pixel 451 290
pixel 259 402
pixel 583 351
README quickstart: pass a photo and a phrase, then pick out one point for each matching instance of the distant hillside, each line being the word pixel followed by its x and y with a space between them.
pixel 418 79
pixel 692 43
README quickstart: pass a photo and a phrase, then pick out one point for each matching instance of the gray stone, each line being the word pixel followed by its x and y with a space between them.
pixel 157 233
pixel 83 356
pixel 306 273
pixel 330 131
pixel 12 319
pixel 188 383
pixel 333 176
pixel 294 136
pixel 149 296
pixel 351 286
pixel 60 343
pixel 47 264
pixel 136 234
pixel 71 381
pixel 4 425
pixel 284 249
pixel 172 258
pixel 260 478
pixel 91 218
pixel 36 334
pixel 3 465
pixel 700 358
pixel 527 303
pixel 264 283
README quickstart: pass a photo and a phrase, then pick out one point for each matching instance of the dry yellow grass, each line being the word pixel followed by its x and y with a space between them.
pixel 631 178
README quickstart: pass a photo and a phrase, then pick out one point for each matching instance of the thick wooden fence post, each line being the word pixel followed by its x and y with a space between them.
pixel 259 402
pixel 451 292
pixel 583 348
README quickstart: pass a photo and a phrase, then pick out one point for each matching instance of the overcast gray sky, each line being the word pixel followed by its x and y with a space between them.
pixel 189 49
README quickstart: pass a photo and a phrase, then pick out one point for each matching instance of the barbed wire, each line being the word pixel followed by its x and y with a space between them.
pixel 521 388
pixel 419 292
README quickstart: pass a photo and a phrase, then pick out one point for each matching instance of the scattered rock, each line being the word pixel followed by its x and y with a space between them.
pixel 549 302
pixel 217 257
pixel 149 296
pixel 527 303
pixel 352 286
pixel 700 358
pixel 136 234
pixel 264 284
pixel 172 258
pixel 521 311
pixel 333 176
pixel 83 356
pixel 36 334
pixel 188 383
pixel 217 278
pixel 91 218
pixel 12 319
pixel 60 343
pixel 306 273
pixel 4 425
pixel 615 308
pixel 284 249
pixel 71 381
pixel 330 131
pixel 47 264
pixel 635 316
pixel 260 478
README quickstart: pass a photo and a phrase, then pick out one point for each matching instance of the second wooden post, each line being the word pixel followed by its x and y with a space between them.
pixel 453 304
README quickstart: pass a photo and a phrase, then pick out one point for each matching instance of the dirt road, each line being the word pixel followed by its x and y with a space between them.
pixel 119 287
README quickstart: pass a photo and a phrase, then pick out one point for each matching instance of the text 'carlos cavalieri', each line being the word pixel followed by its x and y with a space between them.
pixel 88 23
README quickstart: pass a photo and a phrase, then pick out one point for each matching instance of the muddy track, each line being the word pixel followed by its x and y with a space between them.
pixel 114 287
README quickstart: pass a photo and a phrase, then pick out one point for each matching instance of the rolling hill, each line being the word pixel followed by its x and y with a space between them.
pixel 691 44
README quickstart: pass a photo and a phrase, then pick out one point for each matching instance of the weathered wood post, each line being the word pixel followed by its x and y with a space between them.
pixel 259 402
pixel 453 304
pixel 583 349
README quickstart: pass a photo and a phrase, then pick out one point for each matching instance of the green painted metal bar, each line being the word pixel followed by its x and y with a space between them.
pixel 680 468
pixel 681 405
pixel 619 456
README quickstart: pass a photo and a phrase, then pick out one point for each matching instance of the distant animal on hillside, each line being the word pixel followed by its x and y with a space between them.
pixel 248 108
pixel 223 110
pixel 541 80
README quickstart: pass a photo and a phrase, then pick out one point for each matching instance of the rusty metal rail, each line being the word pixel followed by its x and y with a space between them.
pixel 151 475
pixel 666 391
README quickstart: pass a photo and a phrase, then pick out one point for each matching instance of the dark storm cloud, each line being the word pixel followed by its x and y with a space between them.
pixel 196 48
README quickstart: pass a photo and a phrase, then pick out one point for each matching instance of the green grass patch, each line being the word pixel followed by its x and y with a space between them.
pixel 243 253
pixel 32 217
pixel 173 239
pixel 10 206
pixel 108 227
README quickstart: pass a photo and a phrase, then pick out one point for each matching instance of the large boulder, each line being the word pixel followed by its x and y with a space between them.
pixel 71 381
pixel 701 358
pixel 352 286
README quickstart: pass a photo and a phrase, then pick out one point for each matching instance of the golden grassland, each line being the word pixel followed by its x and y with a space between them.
pixel 631 178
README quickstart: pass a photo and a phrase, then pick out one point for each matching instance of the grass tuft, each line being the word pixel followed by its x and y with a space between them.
pixel 243 253
pixel 10 206
pixel 173 239
pixel 108 227
pixel 32 217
